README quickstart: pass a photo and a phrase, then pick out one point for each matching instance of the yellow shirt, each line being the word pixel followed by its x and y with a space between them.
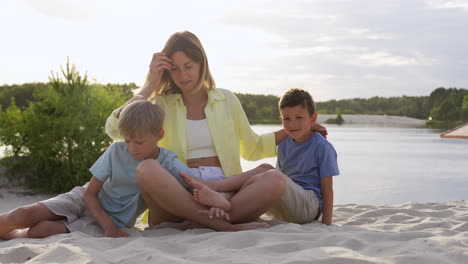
pixel 230 130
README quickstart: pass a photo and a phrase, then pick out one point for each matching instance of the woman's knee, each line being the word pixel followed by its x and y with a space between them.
pixel 266 166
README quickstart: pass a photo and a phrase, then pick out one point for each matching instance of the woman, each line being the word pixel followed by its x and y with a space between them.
pixel 208 130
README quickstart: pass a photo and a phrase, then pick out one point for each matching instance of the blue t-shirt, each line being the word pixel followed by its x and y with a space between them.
pixel 120 196
pixel 306 163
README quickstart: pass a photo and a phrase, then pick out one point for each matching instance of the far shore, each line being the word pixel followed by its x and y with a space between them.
pixel 377 120
pixel 384 120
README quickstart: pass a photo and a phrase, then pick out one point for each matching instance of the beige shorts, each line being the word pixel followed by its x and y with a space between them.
pixel 71 206
pixel 297 205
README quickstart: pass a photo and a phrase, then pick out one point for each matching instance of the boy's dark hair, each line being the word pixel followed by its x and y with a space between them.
pixel 141 117
pixel 296 96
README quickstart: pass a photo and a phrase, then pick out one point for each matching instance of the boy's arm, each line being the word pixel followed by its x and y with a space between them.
pixel 327 194
pixel 94 207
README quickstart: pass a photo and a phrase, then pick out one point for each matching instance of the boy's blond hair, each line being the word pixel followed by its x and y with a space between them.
pixel 141 117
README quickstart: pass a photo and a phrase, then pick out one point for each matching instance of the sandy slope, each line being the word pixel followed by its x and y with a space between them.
pixel 403 233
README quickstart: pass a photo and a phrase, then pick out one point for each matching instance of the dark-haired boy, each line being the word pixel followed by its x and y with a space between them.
pixel 306 160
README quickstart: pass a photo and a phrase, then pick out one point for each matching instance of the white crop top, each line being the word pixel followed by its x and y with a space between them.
pixel 199 141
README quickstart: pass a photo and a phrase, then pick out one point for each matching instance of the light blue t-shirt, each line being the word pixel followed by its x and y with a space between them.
pixel 120 196
pixel 306 163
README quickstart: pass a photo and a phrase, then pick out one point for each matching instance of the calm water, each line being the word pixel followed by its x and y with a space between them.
pixel 393 165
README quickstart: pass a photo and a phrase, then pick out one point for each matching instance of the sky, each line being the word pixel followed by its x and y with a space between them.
pixel 334 49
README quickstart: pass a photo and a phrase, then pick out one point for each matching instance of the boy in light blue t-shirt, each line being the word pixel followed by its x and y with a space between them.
pixel 111 200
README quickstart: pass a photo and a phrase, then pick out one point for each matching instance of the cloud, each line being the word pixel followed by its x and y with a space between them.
pixel 444 4
pixel 73 10
pixel 386 59
pixel 339 48
pixel 417 45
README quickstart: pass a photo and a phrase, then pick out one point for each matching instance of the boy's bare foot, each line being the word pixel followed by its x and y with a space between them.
pixel 18 233
pixel 214 212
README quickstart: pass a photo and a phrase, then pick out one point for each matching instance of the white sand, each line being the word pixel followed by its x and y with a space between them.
pixel 405 233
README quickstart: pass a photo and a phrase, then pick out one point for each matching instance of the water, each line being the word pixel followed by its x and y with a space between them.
pixel 393 165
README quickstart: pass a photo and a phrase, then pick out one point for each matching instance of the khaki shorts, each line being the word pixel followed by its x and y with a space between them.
pixel 297 205
pixel 71 206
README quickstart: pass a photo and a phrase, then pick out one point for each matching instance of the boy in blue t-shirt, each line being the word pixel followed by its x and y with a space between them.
pixel 112 199
pixel 307 159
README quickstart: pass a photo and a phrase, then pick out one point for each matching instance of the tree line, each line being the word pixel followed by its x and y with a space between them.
pixel 445 107
pixel 55 130
pixel 448 106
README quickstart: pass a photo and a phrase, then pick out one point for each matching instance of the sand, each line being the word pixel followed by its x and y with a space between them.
pixel 402 233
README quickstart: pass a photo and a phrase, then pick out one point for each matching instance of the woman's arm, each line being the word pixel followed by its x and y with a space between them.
pixel 94 207
pixel 326 185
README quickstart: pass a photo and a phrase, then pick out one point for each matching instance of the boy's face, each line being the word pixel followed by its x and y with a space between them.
pixel 143 146
pixel 298 122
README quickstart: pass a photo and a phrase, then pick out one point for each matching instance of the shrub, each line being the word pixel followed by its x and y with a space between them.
pixel 61 133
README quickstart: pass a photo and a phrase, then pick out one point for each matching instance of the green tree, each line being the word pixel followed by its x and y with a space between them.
pixel 11 122
pixel 62 131
pixel 447 111
pixel 464 111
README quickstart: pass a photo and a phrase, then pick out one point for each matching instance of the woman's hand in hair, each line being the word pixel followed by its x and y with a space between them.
pixel 159 63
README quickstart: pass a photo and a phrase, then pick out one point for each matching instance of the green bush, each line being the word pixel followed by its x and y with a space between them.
pixel 61 133
pixel 338 120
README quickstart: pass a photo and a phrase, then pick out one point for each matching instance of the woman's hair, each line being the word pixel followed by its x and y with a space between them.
pixel 191 46
pixel 141 117
pixel 294 97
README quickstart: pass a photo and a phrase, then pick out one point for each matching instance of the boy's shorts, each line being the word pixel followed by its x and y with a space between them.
pixel 208 173
pixel 71 205
pixel 297 205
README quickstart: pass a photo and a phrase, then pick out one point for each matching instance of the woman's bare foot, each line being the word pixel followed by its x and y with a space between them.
pixel 204 195
pixel 212 184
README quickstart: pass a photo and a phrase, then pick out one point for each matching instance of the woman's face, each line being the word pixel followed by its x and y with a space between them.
pixel 185 72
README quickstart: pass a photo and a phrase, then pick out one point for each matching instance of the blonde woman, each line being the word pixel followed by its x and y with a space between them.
pixel 208 129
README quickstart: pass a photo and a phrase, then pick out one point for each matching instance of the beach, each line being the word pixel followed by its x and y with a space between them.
pixel 372 222
pixel 401 233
